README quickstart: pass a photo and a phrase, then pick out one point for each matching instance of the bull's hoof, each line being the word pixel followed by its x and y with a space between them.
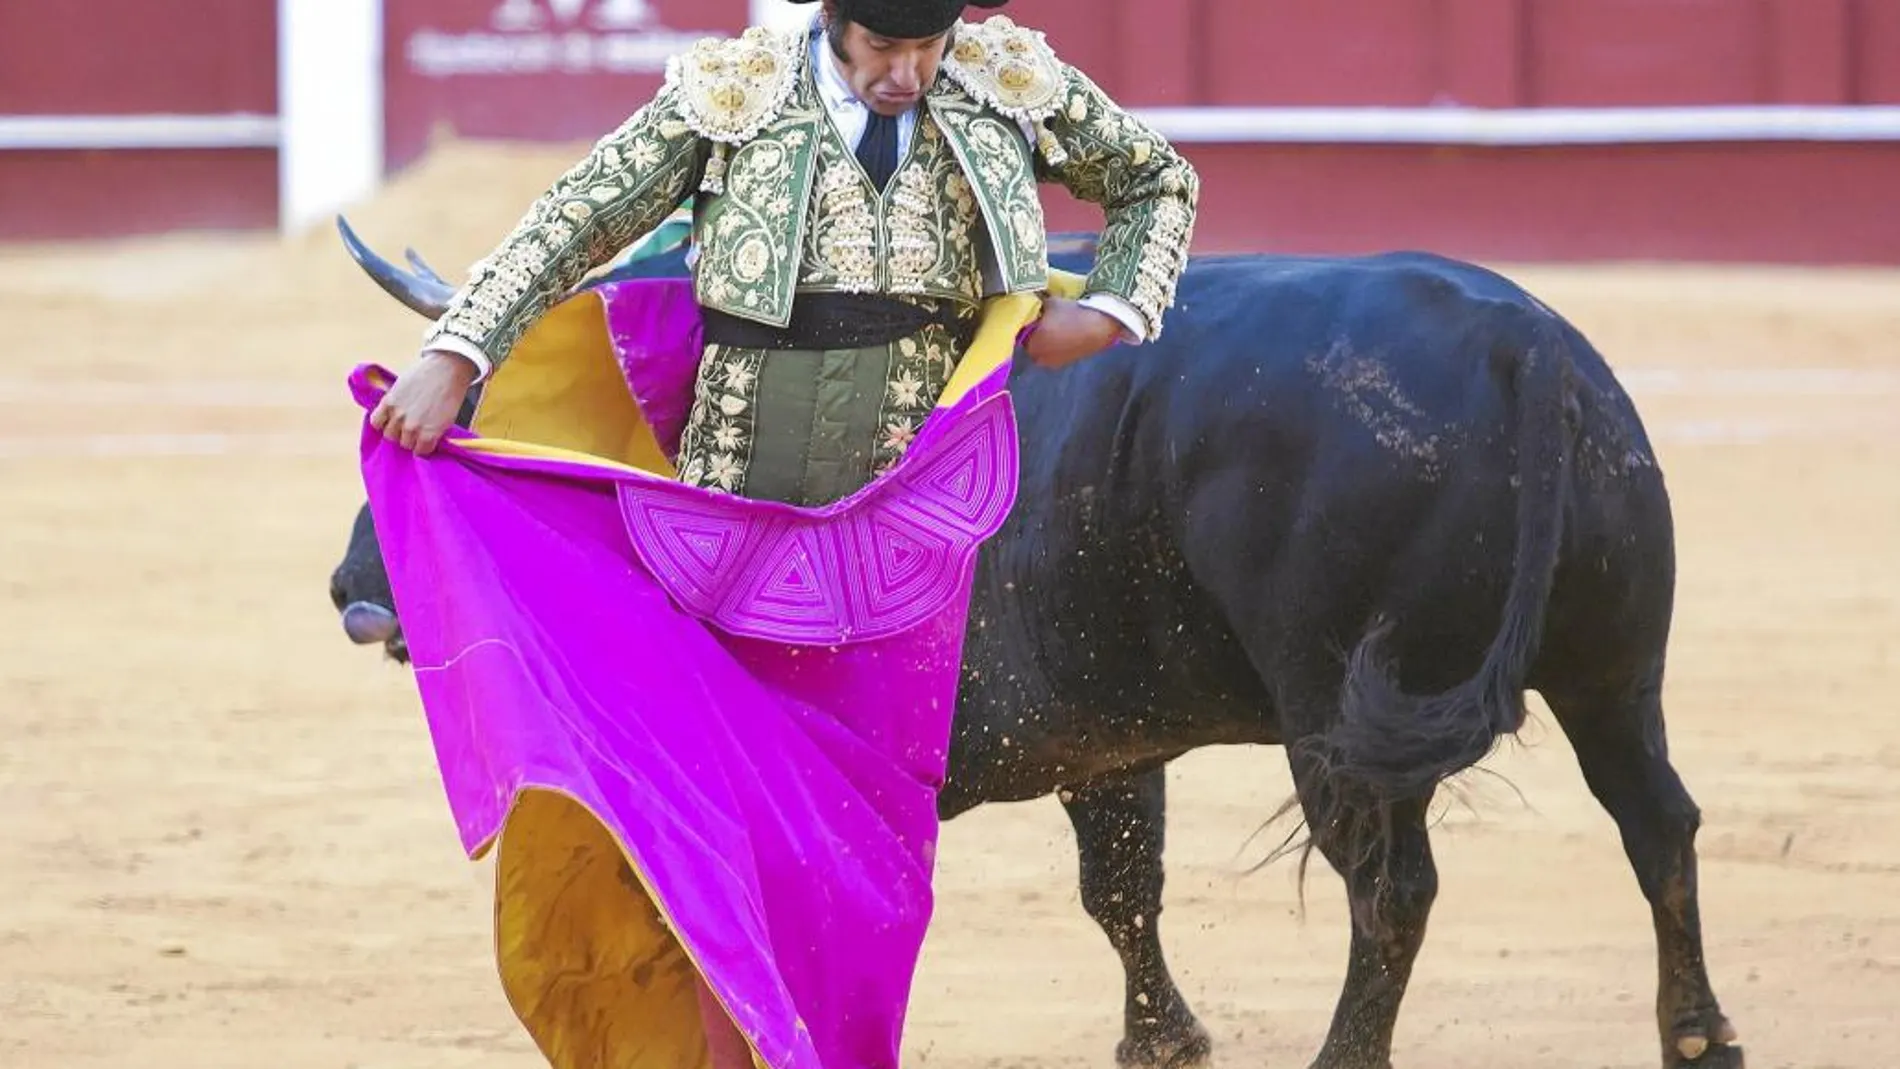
pixel 1704 1044
pixel 1328 1062
pixel 1713 1056
pixel 1187 1046
pixel 1350 1056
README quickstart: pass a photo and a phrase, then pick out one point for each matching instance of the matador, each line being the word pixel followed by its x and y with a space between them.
pixel 754 735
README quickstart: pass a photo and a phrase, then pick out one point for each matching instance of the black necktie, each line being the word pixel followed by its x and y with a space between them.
pixel 877 149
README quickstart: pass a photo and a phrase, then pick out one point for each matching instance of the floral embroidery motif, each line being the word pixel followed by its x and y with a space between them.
pixel 751 255
pixel 1148 191
pixel 748 235
pixel 716 446
pixel 996 164
pixel 920 370
pixel 919 237
pixel 628 184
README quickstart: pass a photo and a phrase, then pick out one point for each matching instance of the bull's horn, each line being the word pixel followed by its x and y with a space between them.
pixel 428 297
pixel 422 268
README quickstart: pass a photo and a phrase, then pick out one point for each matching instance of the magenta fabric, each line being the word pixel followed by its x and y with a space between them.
pixel 657 333
pixel 754 698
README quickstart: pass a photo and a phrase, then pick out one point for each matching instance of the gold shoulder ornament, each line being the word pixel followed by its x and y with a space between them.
pixel 1012 70
pixel 732 88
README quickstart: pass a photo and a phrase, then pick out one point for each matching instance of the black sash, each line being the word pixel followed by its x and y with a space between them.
pixel 837 321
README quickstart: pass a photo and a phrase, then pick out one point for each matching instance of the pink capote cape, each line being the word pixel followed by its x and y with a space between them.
pixel 706 731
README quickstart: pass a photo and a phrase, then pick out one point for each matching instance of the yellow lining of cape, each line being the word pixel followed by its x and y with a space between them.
pixel 561 394
pixel 587 958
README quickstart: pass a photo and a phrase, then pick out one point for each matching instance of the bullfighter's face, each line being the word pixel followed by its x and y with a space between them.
pixel 889 74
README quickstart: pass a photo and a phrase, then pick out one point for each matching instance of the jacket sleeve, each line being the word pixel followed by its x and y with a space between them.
pixel 626 186
pixel 1147 190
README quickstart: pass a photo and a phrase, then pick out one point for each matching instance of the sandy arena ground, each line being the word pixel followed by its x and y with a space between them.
pixel 225 846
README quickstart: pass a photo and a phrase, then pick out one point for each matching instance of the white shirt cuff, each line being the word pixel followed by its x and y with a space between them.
pixel 1134 328
pixel 464 349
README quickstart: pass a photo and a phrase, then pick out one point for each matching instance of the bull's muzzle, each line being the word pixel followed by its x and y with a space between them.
pixel 367 623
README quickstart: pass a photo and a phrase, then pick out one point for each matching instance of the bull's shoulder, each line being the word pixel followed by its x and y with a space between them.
pixel 1008 68
pixel 729 89
pixel 1413 286
pixel 1276 326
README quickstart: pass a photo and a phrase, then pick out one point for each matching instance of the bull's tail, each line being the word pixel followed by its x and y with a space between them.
pixel 1390 745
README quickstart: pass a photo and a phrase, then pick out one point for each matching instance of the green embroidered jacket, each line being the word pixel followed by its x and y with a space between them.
pixel 737 121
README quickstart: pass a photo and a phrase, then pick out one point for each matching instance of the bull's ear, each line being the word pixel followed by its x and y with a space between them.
pixel 428 297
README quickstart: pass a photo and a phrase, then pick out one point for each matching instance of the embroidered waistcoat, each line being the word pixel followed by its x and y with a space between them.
pixel 917 236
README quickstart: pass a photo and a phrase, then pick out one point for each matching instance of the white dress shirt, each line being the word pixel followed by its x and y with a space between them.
pixel 849 115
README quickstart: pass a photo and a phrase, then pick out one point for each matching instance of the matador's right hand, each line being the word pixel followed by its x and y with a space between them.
pixel 419 409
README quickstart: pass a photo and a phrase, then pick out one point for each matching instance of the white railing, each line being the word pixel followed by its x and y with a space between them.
pixel 1524 126
pixel 1368 125
pixel 138 131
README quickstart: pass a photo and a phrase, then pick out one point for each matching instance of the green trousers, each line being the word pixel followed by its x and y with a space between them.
pixel 810 426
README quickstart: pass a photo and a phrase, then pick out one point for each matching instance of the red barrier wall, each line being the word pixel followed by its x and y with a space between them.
pixel 543 70
pixel 136 57
pixel 1482 53
pixel 1788 201
pixel 569 70
pixel 133 57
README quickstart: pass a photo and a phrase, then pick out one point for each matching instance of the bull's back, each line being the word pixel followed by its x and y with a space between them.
pixel 1160 479
pixel 1309 442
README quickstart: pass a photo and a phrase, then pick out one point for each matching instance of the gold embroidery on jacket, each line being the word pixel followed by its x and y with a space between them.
pixel 631 180
pixel 731 89
pixel 1149 194
pixel 920 369
pixel 747 249
pixel 918 237
pixel 716 445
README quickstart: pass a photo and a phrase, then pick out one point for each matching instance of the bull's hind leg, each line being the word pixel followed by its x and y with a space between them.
pixel 1120 826
pixel 1619 740
pixel 1385 856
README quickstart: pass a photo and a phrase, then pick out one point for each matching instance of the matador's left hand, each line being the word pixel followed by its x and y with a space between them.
pixel 1068 332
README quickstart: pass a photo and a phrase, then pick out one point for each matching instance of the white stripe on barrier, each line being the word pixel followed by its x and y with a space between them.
pixel 138 131
pixel 1290 125
pixel 1524 126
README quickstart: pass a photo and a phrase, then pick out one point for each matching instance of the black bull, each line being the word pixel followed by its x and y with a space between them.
pixel 1353 506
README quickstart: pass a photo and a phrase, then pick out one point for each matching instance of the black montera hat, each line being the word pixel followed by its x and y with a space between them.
pixel 906 18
